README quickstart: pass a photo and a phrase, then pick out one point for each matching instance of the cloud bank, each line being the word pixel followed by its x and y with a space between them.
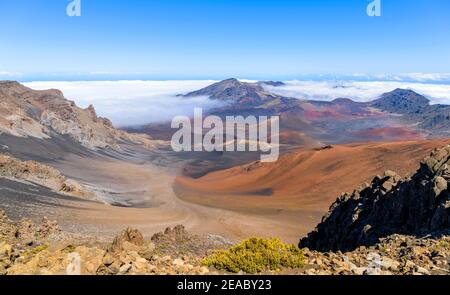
pixel 129 103
pixel 359 91
pixel 6 74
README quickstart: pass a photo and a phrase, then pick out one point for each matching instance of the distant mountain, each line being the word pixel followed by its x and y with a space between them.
pixel 272 83
pixel 42 114
pixel 401 101
pixel 437 117
pixel 397 115
pixel 339 121
pixel 416 108
pixel 343 101
pixel 233 90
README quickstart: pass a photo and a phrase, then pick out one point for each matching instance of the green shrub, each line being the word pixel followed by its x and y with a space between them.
pixel 442 244
pixel 256 255
pixel 39 249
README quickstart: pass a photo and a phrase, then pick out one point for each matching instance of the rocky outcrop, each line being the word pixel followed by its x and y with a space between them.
pixel 44 175
pixel 40 114
pixel 393 255
pixel 27 248
pixel 418 205
pixel 180 242
pixel 127 239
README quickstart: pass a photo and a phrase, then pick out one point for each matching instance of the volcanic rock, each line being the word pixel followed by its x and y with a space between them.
pixel 418 205
pixel 41 174
pixel 40 114
pixel 127 237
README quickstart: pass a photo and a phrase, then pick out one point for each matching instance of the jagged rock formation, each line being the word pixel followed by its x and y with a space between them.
pixel 29 113
pixel 179 241
pixel 44 175
pixel 27 248
pixel 127 238
pixel 418 205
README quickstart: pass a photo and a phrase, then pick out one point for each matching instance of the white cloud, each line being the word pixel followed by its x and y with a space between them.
pixel 9 74
pixel 129 103
pixel 359 91
pixel 404 77
pixel 422 77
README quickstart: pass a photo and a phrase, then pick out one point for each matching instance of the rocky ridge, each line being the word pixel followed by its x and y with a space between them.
pixel 418 205
pixel 30 113
pixel 34 172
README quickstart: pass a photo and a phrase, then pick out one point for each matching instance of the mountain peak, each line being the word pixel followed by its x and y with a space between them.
pixel 342 100
pixel 235 91
pixel 12 87
pixel 7 83
pixel 403 91
pixel 406 94
pixel 401 101
pixel 230 80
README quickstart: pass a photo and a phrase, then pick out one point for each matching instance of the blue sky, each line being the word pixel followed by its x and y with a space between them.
pixel 199 39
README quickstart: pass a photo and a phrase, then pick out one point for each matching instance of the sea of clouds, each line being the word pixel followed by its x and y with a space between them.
pixel 359 90
pixel 130 103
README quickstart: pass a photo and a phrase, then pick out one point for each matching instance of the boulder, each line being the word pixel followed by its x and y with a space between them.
pixel 127 237
pixel 6 252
